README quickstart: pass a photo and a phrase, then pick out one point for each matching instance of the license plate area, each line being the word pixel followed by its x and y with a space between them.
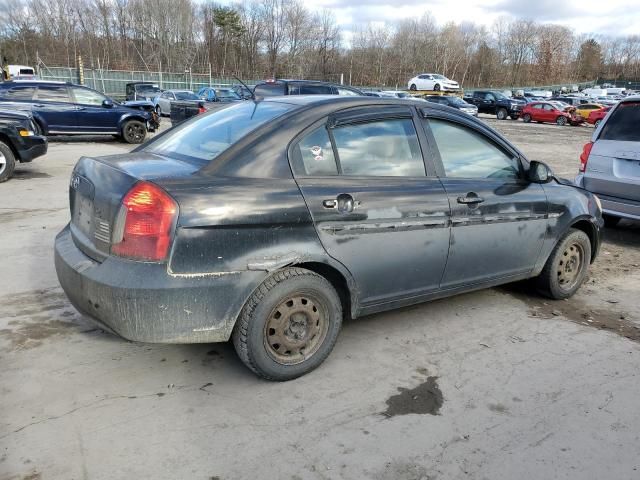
pixel 82 195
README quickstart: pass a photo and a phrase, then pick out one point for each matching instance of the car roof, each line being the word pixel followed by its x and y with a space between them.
pixel 44 82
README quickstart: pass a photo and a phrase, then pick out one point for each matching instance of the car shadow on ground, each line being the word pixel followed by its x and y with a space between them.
pixel 625 234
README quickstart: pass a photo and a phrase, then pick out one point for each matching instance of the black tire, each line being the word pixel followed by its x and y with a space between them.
pixel 566 267
pixel 7 162
pixel 502 114
pixel 256 339
pixel 159 110
pixel 561 121
pixel 526 118
pixel 514 117
pixel 413 87
pixel 436 87
pixel 597 123
pixel 134 131
pixel 610 221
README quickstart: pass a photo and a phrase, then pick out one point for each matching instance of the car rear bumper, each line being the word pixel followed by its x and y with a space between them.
pixel 143 302
pixel 32 147
pixel 615 206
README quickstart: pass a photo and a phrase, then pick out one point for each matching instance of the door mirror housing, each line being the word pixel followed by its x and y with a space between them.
pixel 539 172
pixel 107 103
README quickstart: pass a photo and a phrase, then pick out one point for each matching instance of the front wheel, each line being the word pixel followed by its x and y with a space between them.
pixel 526 118
pixel 566 267
pixel 7 162
pixel 134 131
pixel 561 121
pixel 289 325
pixel 436 87
pixel 413 87
pixel 502 114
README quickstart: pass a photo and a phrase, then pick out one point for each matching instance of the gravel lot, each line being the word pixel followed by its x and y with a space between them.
pixel 497 384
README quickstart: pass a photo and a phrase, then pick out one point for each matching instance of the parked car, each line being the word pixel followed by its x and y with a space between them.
pixel 163 101
pixel 545 112
pixel 67 109
pixel 596 116
pixel 20 141
pixel 211 94
pixel 453 102
pixel 575 101
pixel 396 93
pixel 19 72
pixel 302 87
pixel 264 222
pixel 433 82
pixel 610 162
pixel 493 102
pixel 586 108
pixel 142 91
pixel 243 92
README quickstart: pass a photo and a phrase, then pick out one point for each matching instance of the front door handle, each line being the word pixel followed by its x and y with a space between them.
pixel 470 198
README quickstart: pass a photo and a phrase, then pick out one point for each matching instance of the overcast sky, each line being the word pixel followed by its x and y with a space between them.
pixel 606 17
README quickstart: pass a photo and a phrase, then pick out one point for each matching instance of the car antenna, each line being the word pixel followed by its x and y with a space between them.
pixel 253 95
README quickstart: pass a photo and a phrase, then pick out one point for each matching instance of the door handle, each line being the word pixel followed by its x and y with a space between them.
pixel 344 203
pixel 470 198
pixel 79 108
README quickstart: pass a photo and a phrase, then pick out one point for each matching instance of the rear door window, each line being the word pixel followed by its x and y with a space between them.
pixel 383 148
pixel 623 123
pixel 53 93
pixel 21 92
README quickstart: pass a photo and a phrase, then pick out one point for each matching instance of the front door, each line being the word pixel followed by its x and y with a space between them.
pixel 499 219
pixel 375 210
pixel 92 115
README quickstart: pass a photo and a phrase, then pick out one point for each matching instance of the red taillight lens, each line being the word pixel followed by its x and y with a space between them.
pixel 149 217
pixel 584 156
pixel 201 110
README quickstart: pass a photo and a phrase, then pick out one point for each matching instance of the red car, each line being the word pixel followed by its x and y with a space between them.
pixel 545 112
pixel 596 116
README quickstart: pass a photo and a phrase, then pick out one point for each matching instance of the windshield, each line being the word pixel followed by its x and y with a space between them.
pixel 207 136
pixel 457 101
pixel 440 77
pixel 186 96
pixel 147 89
pixel 224 93
pixel 500 96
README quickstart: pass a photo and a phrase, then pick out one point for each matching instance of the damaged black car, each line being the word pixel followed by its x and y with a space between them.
pixel 271 221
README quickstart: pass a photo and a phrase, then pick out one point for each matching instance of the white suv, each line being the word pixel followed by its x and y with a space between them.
pixel 432 81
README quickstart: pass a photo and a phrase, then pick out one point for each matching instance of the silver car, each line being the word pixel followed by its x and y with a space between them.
pixel 610 162
pixel 163 101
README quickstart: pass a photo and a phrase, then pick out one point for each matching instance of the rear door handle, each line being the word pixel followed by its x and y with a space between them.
pixel 344 203
pixel 470 199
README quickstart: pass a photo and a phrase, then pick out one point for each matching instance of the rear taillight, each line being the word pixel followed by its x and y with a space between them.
pixel 201 110
pixel 146 221
pixel 584 156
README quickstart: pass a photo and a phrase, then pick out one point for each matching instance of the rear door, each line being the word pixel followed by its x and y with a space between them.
pixel 53 103
pixel 91 115
pixel 613 168
pixel 375 209
pixel 499 220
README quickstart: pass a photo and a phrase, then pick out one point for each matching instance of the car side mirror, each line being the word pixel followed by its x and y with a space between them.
pixel 107 103
pixel 539 172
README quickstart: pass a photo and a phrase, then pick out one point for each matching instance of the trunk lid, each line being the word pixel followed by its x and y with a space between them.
pixel 613 169
pixel 98 186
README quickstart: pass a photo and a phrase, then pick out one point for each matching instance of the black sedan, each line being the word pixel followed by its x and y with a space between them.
pixel 270 221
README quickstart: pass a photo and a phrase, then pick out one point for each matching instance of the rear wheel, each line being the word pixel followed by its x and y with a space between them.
pixel 413 87
pixel 134 131
pixel 610 221
pixel 7 162
pixel 561 120
pixel 289 325
pixel 566 267
pixel 526 118
pixel 502 114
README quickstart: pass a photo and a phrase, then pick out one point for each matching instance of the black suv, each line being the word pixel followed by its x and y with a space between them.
pixel 67 109
pixel 496 103
pixel 19 141
pixel 278 87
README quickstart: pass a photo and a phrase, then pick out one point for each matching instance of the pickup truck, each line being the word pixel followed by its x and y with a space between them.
pixel 496 103
pixel 19 141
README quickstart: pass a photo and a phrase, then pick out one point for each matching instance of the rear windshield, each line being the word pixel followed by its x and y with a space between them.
pixel 205 137
pixel 269 89
pixel 623 124
pixel 186 96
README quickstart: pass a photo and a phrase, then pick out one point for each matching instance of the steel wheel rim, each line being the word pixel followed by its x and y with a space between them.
pixel 3 163
pixel 570 266
pixel 296 328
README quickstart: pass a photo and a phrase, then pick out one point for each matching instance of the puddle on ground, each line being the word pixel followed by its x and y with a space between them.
pixel 423 399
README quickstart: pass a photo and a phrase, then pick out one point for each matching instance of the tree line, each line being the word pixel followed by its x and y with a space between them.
pixel 283 38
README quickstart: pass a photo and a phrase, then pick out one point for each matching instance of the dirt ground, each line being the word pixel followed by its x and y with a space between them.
pixel 496 384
